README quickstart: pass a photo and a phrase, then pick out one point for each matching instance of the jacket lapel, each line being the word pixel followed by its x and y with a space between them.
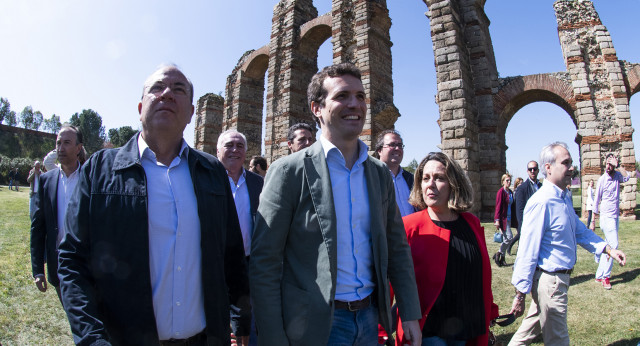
pixel 52 189
pixel 316 172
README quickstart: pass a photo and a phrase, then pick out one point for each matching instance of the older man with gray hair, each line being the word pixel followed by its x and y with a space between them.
pixel 549 236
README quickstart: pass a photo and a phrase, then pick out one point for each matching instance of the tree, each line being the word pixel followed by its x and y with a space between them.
pixel 120 136
pixel 10 119
pixel 30 119
pixel 90 124
pixel 52 125
pixel 413 165
pixel 5 109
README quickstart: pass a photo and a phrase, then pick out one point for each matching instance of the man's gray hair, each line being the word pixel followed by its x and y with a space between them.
pixel 547 155
pixel 230 132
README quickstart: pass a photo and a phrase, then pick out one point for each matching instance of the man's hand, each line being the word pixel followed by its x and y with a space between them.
pixel 239 340
pixel 517 308
pixel 41 283
pixel 412 332
pixel 592 225
pixel 618 256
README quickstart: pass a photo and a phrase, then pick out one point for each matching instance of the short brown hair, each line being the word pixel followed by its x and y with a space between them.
pixel 461 195
pixel 316 91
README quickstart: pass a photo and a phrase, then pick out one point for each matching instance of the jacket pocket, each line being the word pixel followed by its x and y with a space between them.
pixel 295 306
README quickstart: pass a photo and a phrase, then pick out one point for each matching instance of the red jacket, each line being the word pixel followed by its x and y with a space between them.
pixel 430 250
pixel 502 208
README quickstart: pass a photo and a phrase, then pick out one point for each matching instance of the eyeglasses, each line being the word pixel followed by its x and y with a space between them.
pixel 532 169
pixel 393 145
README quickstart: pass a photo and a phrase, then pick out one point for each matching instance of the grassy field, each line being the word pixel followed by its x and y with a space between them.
pixel 596 316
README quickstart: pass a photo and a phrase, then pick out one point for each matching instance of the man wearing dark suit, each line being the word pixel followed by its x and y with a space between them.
pixel 328 236
pixel 246 187
pixel 153 250
pixel 50 205
pixel 523 193
pixel 390 150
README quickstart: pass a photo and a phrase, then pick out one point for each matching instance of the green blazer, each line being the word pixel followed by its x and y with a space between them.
pixel 293 264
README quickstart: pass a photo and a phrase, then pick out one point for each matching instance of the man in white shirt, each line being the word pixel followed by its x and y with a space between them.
pixel 33 179
pixel 550 233
pixel 52 194
pixel 390 150
pixel 246 187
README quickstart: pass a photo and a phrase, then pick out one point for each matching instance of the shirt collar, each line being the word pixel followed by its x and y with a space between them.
pixel 74 173
pixel 327 146
pixel 143 149
pixel 558 192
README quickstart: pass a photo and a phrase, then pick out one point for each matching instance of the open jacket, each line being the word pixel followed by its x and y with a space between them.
pixel 293 267
pixel 429 250
pixel 104 256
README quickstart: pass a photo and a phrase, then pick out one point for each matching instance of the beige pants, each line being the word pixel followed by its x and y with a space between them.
pixel 547 313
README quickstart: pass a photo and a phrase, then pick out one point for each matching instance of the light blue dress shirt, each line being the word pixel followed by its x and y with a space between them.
pixel 550 233
pixel 607 201
pixel 402 194
pixel 243 208
pixel 351 200
pixel 174 245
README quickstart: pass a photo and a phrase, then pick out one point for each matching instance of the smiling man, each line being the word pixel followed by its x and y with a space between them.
pixel 550 233
pixel 329 237
pixel 153 251
pixel 246 187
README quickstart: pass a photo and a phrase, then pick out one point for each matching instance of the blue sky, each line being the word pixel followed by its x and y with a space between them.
pixel 67 55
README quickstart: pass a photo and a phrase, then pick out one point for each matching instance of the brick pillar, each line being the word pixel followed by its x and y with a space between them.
pixel 361 36
pixel 208 122
pixel 291 67
pixel 602 101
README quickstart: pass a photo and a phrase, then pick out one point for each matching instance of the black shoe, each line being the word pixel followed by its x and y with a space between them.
pixel 503 263
pixel 497 259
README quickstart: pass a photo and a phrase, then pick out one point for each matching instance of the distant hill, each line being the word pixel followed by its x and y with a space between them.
pixel 19 142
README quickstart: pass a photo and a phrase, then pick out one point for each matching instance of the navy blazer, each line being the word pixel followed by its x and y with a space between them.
pixel 523 193
pixel 254 185
pixel 44 227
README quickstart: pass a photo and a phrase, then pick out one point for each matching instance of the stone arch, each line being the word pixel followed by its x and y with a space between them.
pixel 520 91
pixel 257 63
pixel 633 78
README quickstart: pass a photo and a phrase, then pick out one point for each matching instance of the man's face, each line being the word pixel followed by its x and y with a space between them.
pixel 392 149
pixel 233 152
pixel 611 164
pixel 561 171
pixel 343 114
pixel 166 103
pixel 37 166
pixel 67 147
pixel 532 170
pixel 302 139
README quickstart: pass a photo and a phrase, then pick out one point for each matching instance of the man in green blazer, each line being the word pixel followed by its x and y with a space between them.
pixel 329 237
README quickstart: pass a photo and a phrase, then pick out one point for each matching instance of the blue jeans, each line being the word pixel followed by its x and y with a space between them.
pixel 354 328
pixel 438 341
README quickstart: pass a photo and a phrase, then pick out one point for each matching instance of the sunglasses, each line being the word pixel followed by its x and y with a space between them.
pixel 532 169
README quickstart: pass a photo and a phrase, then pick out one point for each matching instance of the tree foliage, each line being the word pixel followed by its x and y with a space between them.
pixel 52 125
pixel 31 119
pixel 11 119
pixel 90 124
pixel 413 165
pixel 5 108
pixel 120 136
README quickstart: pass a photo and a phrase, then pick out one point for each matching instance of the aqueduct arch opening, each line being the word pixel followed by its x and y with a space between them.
pixel 475 104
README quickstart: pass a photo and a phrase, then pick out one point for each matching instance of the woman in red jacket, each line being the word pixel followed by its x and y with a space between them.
pixel 502 217
pixel 453 270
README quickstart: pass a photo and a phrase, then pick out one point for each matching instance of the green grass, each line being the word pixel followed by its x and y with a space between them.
pixel 596 316
pixel 27 316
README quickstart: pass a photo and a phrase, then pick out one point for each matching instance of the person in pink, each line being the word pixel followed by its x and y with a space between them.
pixel 607 204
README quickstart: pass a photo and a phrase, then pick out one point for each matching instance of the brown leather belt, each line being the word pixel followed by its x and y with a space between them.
pixel 354 305
pixel 561 271
pixel 198 339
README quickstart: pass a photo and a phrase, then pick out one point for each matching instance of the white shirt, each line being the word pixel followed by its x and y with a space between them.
pixel 175 259
pixel 243 208
pixel 66 185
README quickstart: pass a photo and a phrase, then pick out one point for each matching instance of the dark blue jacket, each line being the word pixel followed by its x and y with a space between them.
pixel 44 227
pixel 104 256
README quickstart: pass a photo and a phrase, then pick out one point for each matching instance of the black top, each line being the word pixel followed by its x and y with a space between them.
pixel 458 312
